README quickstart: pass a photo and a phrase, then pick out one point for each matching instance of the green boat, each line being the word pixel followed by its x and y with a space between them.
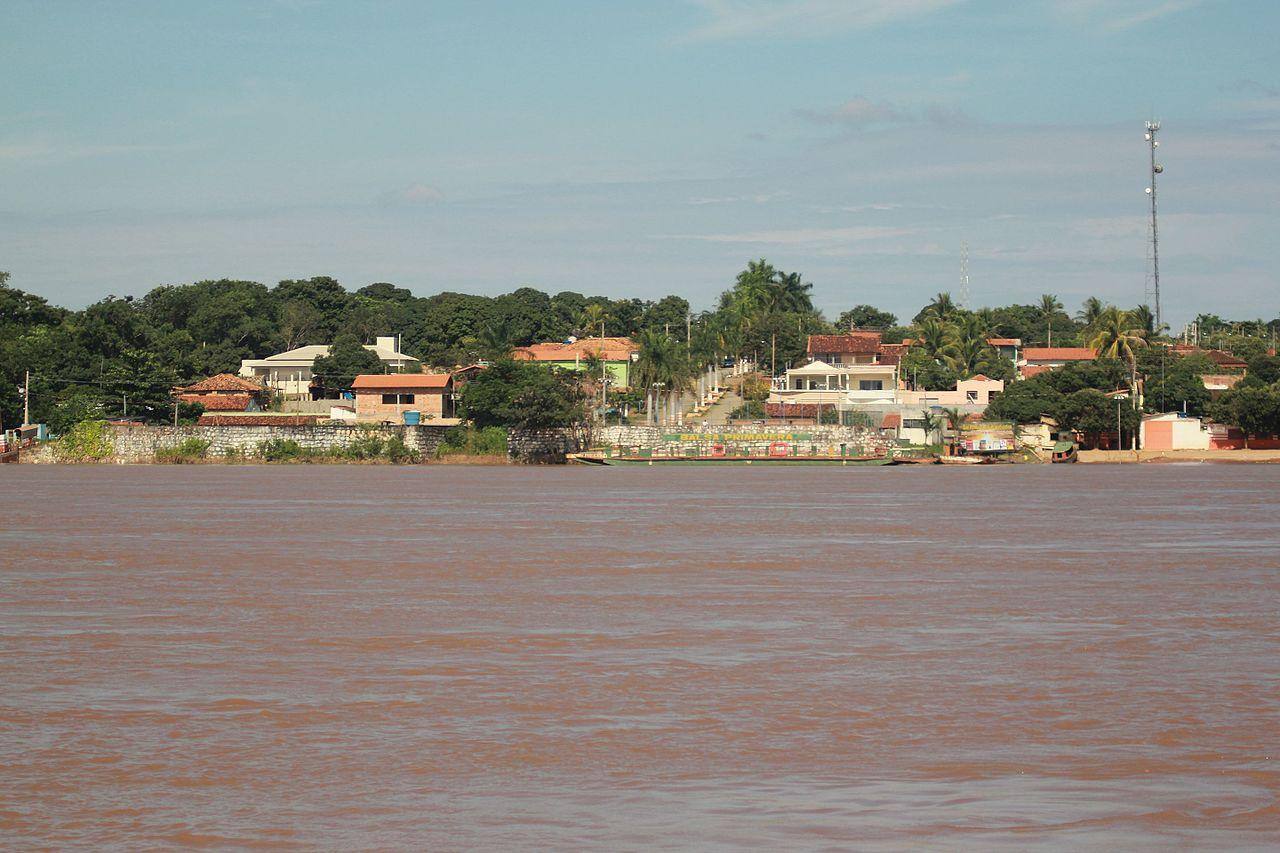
pixel 598 459
pixel 791 448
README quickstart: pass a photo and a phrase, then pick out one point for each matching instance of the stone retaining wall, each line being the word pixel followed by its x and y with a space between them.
pixel 546 446
pixel 140 443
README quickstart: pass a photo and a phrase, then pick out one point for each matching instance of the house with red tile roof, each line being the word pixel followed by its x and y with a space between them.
pixel 224 393
pixel 856 367
pixel 1049 358
pixel 618 355
pixel 289 373
pixel 384 397
pixel 1007 347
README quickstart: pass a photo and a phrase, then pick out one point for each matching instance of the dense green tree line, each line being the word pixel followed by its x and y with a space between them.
pixel 123 355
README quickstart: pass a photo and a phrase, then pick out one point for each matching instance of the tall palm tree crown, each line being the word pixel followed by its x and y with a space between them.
pixel 1090 310
pixel 1117 335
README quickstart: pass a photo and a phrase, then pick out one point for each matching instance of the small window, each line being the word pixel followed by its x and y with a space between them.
pixel 396 399
pixel 870 385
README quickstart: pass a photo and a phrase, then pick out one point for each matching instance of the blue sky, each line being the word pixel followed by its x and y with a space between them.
pixel 644 148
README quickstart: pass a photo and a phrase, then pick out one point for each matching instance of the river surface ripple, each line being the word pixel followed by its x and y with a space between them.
pixel 506 658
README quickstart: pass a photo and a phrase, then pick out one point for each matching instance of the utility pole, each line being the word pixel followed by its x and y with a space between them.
pixel 1153 127
pixel 26 399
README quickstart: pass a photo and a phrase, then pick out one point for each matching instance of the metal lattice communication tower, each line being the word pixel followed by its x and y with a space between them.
pixel 964 275
pixel 1153 281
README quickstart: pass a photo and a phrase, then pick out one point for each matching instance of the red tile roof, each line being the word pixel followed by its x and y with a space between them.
pixel 1005 342
pixel 1034 370
pixel 401 382
pixel 892 420
pixel 1059 354
pixel 223 382
pixel 855 343
pixel 792 410
pixel 219 402
pixel 1225 359
pixel 610 349
pixel 892 353
pixel 257 419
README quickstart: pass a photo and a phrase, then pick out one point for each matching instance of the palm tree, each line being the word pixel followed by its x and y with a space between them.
pixel 662 366
pixel 592 318
pixel 933 336
pixel 1089 311
pixel 932 424
pixel 789 293
pixel 954 418
pixel 967 348
pixel 964 355
pixel 1144 319
pixel 1049 306
pixel 1117 337
pixel 495 339
pixel 942 306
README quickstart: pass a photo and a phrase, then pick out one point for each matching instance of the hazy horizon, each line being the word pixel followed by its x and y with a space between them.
pixel 628 151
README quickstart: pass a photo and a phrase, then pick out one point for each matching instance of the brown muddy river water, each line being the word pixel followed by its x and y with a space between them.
pixel 514 658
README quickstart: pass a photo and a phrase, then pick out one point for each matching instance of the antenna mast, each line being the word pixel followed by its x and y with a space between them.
pixel 1153 291
pixel 964 275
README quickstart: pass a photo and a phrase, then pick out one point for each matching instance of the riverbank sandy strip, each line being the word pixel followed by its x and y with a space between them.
pixel 1130 456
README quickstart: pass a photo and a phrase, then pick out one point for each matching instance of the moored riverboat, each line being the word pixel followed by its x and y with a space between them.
pixel 602 458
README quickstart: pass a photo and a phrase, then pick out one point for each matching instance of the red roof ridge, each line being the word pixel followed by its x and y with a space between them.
pixel 1065 353
pixel 222 382
pixel 379 381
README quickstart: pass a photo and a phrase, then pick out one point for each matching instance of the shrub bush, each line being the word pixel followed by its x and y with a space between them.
pixel 399 453
pixel 281 450
pixel 190 450
pixel 473 441
pixel 367 446
pixel 87 441
pixel 750 411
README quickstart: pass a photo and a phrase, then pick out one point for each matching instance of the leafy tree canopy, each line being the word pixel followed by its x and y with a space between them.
pixel 346 360
pixel 523 395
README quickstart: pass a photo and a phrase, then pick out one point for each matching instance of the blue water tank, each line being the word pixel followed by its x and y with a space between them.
pixel 412 418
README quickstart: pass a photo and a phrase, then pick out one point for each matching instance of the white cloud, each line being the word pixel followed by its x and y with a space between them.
pixel 45 151
pixel 755 198
pixel 415 193
pixel 1117 15
pixel 855 112
pixel 811 237
pixel 861 112
pixel 731 19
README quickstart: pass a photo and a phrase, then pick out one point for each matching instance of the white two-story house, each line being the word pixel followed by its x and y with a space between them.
pixel 844 370
pixel 289 373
